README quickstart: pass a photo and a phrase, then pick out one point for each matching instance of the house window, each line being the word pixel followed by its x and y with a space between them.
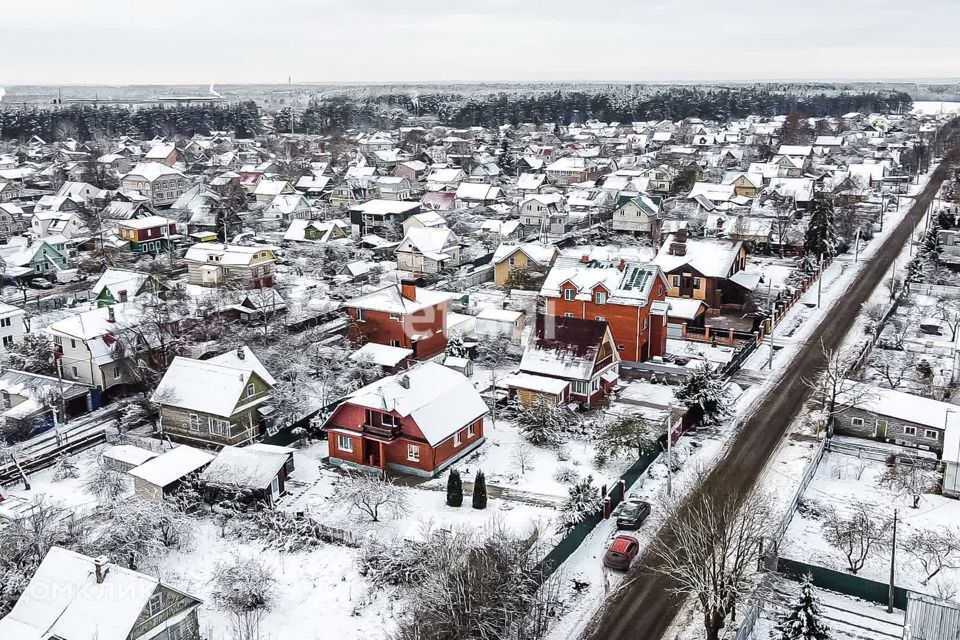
pixel 470 431
pixel 856 422
pixel 4 322
pixel 388 420
pixel 620 347
pixel 569 294
pixel 179 631
pixel 909 431
pixel 413 453
pixel 7 341
pixel 931 434
pixel 194 422
pixel 510 262
pixel 154 605
pixel 676 280
pixel 579 387
pixel 251 390
pixel 116 373
pixel 600 297
pixel 595 384
pixel 457 440
pixel 568 315
pixel 345 444
pixel 646 322
pixel 58 340
pixel 660 290
pixel 600 319
pixel 76 372
pixel 395 316
pixel 6 400
pixel 696 283
pixel 219 427
pixel 361 315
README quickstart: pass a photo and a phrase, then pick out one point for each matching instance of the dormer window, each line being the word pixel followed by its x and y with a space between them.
pixel 569 294
pixel 600 297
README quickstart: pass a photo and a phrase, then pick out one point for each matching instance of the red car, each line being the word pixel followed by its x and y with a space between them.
pixel 621 552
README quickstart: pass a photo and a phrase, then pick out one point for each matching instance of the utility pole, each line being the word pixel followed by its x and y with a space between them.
pixel 856 253
pixel 669 458
pixel 893 280
pixel 770 352
pixel 893 561
pixel 820 281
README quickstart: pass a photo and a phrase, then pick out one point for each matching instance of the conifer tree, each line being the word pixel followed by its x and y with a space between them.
pixel 454 489
pixel 821 239
pixel 480 491
pixel 705 389
pixel 804 621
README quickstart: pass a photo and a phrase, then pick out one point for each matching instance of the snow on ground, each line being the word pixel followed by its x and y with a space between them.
pixel 700 351
pixel 843 478
pixel 847 617
pixel 68 492
pixel 935 107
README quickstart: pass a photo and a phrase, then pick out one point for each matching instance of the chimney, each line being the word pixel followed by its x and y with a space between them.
pixel 622 265
pixel 681 235
pixel 123 295
pixel 110 316
pixel 584 259
pixel 678 248
pixel 405 381
pixel 408 289
pixel 102 566
pixel 240 353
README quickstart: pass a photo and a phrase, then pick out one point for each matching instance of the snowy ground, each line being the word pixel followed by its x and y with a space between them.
pixel 935 107
pixel 840 480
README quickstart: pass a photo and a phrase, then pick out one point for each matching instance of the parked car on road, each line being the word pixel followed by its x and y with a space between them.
pixel 632 514
pixel 41 283
pixel 621 552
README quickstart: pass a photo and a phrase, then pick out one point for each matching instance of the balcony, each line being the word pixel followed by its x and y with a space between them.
pixel 603 363
pixel 381 431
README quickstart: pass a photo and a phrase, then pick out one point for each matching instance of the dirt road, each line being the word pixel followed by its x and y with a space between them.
pixel 645 608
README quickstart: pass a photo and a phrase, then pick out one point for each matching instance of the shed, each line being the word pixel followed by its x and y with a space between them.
pixel 530 387
pixel 261 471
pixel 160 476
pixel 125 457
pixel 463 365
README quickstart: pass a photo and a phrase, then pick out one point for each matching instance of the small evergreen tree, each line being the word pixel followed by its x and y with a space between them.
pixel 480 491
pixel 705 389
pixel 584 501
pixel 454 489
pixel 804 621
pixel 456 348
pixel 821 239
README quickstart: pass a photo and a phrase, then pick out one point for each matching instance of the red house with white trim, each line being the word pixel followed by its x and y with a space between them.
pixel 403 315
pixel 417 422
pixel 629 296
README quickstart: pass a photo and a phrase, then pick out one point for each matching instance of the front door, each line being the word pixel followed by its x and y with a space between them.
pixel 275 489
pixel 371 453
pixel 686 286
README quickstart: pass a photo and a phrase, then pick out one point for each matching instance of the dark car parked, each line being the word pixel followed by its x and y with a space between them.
pixel 621 552
pixel 632 514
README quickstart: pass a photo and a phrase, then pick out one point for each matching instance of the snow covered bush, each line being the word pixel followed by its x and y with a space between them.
pixel 139 529
pixel 391 562
pixel 281 530
pixel 566 474
pixel 371 495
pixel 631 435
pixel 705 389
pixel 64 469
pixel 106 483
pixel 544 423
pixel 244 587
pixel 583 501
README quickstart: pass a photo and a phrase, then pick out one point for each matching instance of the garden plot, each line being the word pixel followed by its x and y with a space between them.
pixel 844 481
pixel 715 355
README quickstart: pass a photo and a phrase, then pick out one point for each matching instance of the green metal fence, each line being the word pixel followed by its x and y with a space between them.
pixel 845 583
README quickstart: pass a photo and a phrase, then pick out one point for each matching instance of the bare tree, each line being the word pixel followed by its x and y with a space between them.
pixel 523 456
pixel 495 353
pixel 712 549
pixel 244 587
pixel 895 367
pixel 857 533
pixel 948 310
pixel 909 476
pixel 935 550
pixel 371 495
pixel 832 387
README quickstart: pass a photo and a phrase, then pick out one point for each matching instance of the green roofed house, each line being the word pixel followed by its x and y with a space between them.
pixel 120 285
pixel 27 260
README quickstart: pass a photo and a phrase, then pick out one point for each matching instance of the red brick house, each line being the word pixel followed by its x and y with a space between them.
pixel 417 422
pixel 629 296
pixel 403 315
pixel 581 352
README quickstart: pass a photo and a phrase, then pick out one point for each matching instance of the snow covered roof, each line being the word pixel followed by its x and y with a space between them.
pixel 500 315
pixel 429 219
pixel 148 222
pixel 229 254
pixel 129 454
pixel 151 171
pixel 386 207
pixel 173 465
pixel 390 300
pixel 64 600
pixel 440 400
pixel 631 285
pixel 381 354
pixel 533 382
pixel 501 227
pixel 477 191
pixel 896 404
pixel 427 240
pixel 564 347
pixel 95 323
pixel 795 150
pixel 216 386
pixel 245 467
pixel 713 192
pixel 685 308
pixel 571 163
pixel 712 258
pixel 287 203
pixel 116 280
pixel 160 151
pixel 538 253
pixel 272 187
pixel 249 361
pixel 530 181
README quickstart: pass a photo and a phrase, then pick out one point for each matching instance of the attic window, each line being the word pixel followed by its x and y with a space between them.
pixel 600 297
pixel 154 604
pixel 251 390
pixel 569 294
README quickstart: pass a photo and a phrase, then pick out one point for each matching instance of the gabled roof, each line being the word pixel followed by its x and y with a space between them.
pixel 245 467
pixel 537 253
pixel 117 280
pixel 564 347
pixel 427 240
pixel 440 401
pixel 477 191
pixel 172 465
pixel 64 600
pixel 216 386
pixel 390 300
pixel 630 285
pixel 151 171
pixel 712 258
pixel 229 254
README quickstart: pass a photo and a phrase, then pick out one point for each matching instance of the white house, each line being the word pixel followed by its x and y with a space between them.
pixel 637 215
pixel 428 250
pixel 11 325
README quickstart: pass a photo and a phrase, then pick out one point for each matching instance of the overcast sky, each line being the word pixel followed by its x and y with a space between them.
pixel 228 41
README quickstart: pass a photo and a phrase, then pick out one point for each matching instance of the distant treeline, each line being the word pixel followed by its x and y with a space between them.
pixel 87 122
pixel 389 110
pixel 620 104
